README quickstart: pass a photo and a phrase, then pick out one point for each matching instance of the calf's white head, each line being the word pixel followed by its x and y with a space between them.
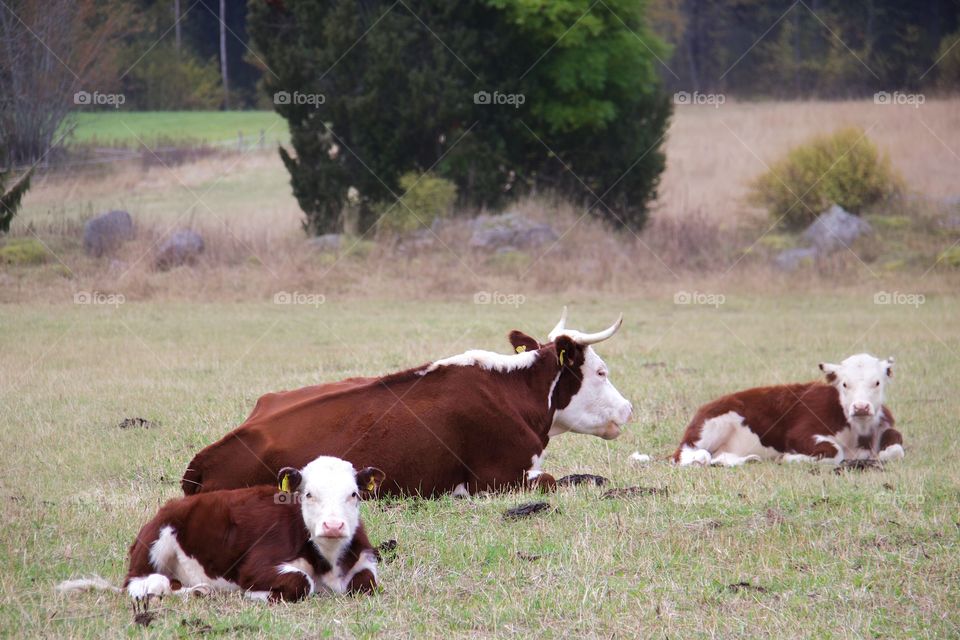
pixel 329 491
pixel 861 381
pixel 584 399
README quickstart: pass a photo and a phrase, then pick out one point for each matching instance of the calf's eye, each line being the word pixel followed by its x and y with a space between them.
pixel 355 495
pixel 877 383
pixel 602 373
pixel 845 385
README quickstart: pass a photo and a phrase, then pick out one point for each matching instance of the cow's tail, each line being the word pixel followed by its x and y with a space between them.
pixel 87 584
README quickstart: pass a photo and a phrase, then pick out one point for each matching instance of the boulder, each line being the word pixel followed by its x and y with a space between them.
pixel 509 232
pixel 790 259
pixel 182 247
pixel 326 242
pixel 106 232
pixel 835 229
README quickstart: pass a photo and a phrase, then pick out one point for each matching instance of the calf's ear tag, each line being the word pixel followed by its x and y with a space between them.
pixel 371 484
pixel 560 358
pixel 521 348
pixel 285 484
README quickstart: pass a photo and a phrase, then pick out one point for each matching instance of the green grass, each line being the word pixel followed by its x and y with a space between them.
pixel 826 555
pixel 129 128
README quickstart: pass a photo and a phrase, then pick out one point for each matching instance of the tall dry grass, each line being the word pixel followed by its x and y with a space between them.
pixel 701 231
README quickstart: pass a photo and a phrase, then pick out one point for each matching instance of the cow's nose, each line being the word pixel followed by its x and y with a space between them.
pixel 861 409
pixel 333 527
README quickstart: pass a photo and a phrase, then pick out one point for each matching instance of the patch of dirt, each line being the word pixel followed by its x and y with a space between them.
pixel 634 492
pixel 529 557
pixel 743 585
pixel 527 510
pixel 858 465
pixel 386 551
pixel 137 423
pixel 144 618
pixel 774 516
pixel 577 479
pixel 196 625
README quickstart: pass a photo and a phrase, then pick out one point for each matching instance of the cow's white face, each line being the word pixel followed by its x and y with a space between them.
pixel 861 381
pixel 329 496
pixel 597 408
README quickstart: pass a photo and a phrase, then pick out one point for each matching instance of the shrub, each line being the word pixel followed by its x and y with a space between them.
pixel 426 198
pixel 844 168
pixel 23 251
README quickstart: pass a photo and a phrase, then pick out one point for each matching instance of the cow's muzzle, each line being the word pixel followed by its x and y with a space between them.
pixel 612 431
pixel 862 410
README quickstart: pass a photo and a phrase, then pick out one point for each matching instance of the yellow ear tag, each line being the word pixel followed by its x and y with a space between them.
pixel 521 348
pixel 371 484
pixel 562 352
pixel 285 484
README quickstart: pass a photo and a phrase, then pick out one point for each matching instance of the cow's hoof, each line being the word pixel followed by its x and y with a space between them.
pixel 544 483
pixel 893 452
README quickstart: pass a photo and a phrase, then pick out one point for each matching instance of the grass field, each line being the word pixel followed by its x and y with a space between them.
pixel 760 551
pixel 133 128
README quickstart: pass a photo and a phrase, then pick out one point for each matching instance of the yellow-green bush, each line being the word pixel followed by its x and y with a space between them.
pixel 844 168
pixel 426 198
pixel 22 251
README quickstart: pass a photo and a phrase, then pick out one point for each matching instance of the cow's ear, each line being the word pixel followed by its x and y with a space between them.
pixel 289 479
pixel 889 364
pixel 830 370
pixel 522 342
pixel 369 480
pixel 568 352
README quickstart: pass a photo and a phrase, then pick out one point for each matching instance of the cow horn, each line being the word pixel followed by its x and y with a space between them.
pixel 557 330
pixel 593 338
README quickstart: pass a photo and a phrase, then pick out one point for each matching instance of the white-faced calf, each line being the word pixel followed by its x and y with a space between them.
pixel 841 419
pixel 273 545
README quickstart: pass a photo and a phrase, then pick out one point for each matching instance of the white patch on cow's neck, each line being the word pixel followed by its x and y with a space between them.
pixel 488 360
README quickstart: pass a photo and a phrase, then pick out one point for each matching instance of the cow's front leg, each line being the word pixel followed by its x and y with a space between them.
pixel 535 479
pixel 891 446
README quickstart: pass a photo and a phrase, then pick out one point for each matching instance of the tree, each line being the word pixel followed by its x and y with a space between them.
pixel 10 199
pixel 497 95
pixel 50 51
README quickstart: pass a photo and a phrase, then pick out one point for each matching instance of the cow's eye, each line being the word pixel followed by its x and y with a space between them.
pixel 308 496
pixel 602 373
pixel 355 495
pixel 877 383
pixel 845 385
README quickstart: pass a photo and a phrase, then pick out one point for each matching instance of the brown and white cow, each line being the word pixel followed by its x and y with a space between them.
pixel 471 422
pixel 842 419
pixel 272 544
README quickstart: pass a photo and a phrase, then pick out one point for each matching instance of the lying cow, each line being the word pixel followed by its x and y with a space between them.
pixel 471 422
pixel 273 545
pixel 843 419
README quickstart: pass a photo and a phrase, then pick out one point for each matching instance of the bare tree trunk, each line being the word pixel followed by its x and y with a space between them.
pixel 223 54
pixel 176 23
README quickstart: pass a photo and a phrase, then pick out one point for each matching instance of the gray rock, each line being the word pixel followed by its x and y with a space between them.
pixel 509 231
pixel 107 232
pixel 791 259
pixel 326 242
pixel 182 247
pixel 835 229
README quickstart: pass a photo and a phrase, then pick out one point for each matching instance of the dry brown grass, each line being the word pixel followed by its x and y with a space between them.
pixel 713 154
pixel 702 234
